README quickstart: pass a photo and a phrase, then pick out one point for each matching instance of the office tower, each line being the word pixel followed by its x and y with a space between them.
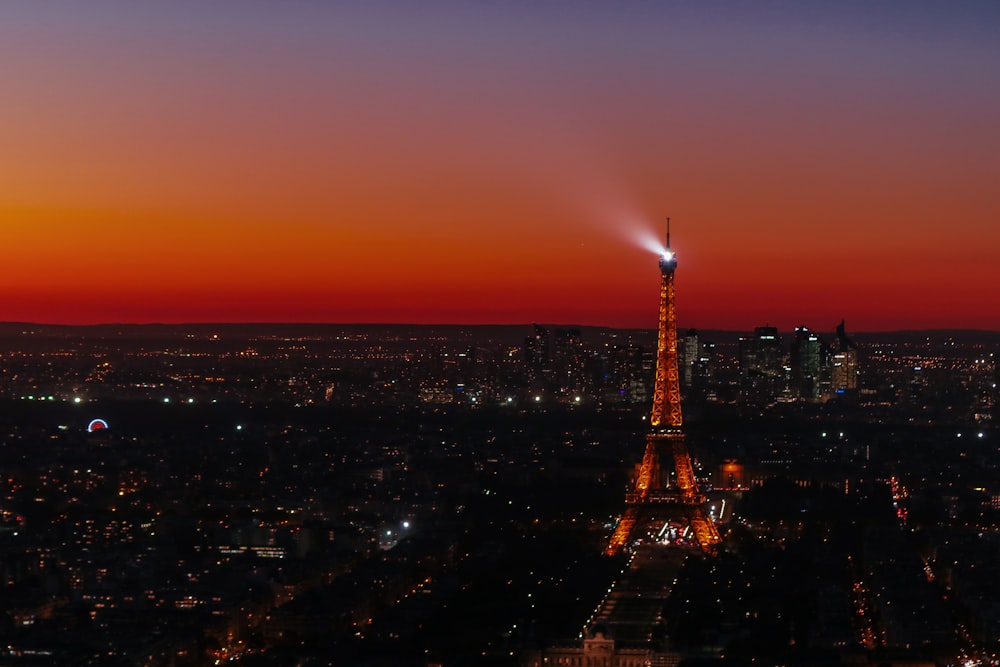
pixel 844 371
pixel 689 359
pixel 762 366
pixel 806 360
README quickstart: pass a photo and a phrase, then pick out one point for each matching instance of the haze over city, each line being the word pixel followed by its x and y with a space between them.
pixel 449 162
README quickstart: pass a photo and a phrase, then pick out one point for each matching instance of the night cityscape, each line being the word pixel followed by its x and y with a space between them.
pixel 508 334
pixel 416 495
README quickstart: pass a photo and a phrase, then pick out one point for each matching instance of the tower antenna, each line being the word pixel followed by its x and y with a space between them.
pixel 668 233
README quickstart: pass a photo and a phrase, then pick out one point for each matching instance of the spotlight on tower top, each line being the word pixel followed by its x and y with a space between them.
pixel 668 261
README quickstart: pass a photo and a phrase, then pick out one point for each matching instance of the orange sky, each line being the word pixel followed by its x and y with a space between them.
pixel 452 164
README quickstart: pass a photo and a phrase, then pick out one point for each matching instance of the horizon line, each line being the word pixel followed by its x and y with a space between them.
pixel 4 323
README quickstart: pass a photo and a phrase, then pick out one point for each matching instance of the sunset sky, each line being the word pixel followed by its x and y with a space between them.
pixel 472 162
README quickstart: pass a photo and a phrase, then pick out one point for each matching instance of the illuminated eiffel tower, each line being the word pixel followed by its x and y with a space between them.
pixel 663 525
pixel 652 498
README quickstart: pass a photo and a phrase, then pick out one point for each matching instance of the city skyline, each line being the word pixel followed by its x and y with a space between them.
pixel 451 164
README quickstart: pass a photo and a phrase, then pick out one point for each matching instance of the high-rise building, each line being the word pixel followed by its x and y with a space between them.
pixel 806 359
pixel 690 356
pixel 554 359
pixel 697 362
pixel 844 365
pixel 706 366
pixel 761 354
pixel 567 359
pixel 538 354
pixel 762 365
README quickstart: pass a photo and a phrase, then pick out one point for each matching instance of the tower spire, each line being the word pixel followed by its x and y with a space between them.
pixel 666 388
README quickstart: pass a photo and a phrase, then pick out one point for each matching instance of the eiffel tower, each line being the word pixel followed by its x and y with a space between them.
pixel 651 498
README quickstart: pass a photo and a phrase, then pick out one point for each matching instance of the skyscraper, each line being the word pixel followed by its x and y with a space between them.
pixel 806 359
pixel 844 371
pixel 762 365
pixel 690 357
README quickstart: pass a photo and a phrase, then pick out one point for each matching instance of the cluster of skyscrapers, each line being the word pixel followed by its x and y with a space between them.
pixel 807 368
